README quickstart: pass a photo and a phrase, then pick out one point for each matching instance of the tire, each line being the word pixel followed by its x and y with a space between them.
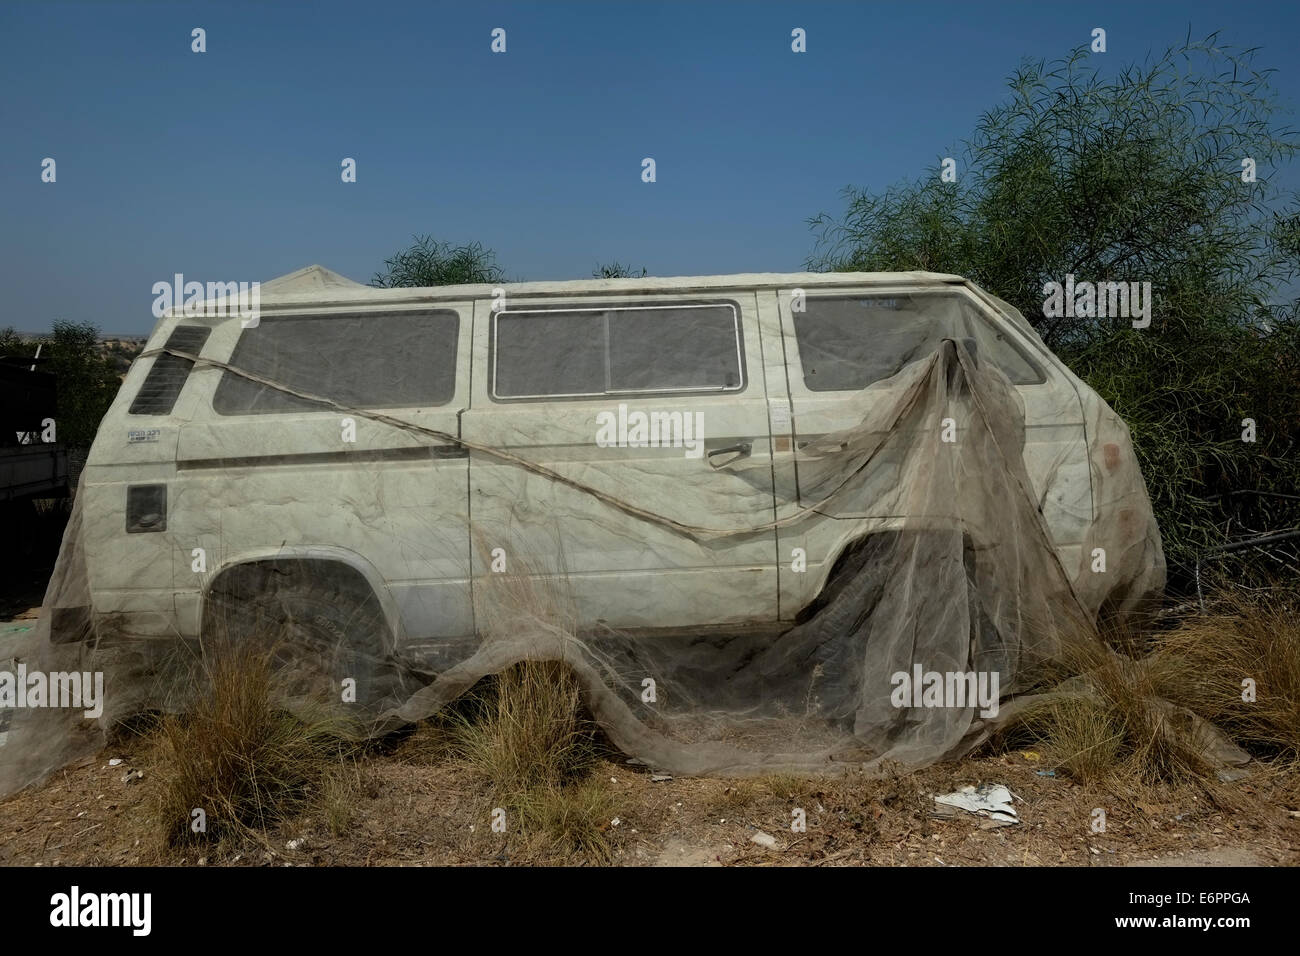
pixel 320 621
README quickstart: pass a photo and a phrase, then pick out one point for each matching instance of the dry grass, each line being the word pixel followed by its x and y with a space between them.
pixel 1109 723
pixel 239 756
pixel 1159 708
pixel 340 789
pixel 1206 660
pixel 574 819
pixel 526 732
pixel 526 728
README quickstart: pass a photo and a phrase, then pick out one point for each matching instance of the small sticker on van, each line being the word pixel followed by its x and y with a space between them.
pixel 136 436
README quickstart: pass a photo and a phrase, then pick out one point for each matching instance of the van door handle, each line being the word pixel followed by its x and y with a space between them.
pixel 740 450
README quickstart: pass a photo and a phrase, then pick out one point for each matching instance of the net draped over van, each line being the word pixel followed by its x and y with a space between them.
pixel 968 583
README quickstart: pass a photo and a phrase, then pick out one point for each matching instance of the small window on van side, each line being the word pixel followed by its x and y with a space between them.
pixel 365 360
pixel 850 342
pixel 167 376
pixel 576 352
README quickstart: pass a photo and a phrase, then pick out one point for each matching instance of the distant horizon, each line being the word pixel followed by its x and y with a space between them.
pixel 103 336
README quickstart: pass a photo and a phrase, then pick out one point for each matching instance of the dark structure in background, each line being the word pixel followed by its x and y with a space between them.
pixel 29 467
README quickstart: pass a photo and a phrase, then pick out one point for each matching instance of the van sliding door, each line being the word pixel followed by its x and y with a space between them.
pixel 657 409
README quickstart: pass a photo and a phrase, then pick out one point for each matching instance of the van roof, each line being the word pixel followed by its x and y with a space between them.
pixel 317 285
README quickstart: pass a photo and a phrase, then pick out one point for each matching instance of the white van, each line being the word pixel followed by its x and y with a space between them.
pixel 366 517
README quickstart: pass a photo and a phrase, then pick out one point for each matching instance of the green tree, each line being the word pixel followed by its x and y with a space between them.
pixel 86 380
pixel 11 343
pixel 1133 177
pixel 427 262
pixel 616 270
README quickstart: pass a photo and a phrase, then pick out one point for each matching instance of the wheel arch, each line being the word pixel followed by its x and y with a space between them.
pixel 360 572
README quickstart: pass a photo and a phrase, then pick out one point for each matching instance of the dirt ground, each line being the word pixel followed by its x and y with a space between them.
pixel 408 809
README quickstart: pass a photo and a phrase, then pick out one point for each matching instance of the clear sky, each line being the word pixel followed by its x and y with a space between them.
pixel 225 166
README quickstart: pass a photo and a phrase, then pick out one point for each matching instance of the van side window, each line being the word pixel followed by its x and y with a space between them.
pixel 555 353
pixel 578 352
pixel 162 386
pixel 1014 364
pixel 850 342
pixel 367 360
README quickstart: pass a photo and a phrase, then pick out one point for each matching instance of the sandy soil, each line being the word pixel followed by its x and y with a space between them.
pixel 411 809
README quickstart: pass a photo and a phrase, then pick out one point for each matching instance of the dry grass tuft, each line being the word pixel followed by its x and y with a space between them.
pixel 238 755
pixel 1109 722
pixel 574 819
pixel 1206 661
pixel 1167 705
pixel 527 732
pixel 526 728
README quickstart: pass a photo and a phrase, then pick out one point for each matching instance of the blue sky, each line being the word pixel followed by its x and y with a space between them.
pixel 225 165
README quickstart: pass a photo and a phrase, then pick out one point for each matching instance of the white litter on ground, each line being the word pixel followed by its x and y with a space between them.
pixel 992 800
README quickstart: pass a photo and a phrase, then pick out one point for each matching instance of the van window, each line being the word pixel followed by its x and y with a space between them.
pixel 367 360
pixel 1004 353
pixel 598 351
pixel 162 386
pixel 849 342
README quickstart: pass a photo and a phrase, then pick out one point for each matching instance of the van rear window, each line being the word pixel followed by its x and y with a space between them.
pixel 162 386
pixel 617 350
pixel 369 360
pixel 849 342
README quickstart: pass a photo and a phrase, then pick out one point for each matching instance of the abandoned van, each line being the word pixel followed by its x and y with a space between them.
pixel 363 461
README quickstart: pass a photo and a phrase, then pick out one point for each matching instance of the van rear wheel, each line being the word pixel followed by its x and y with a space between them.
pixel 320 622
